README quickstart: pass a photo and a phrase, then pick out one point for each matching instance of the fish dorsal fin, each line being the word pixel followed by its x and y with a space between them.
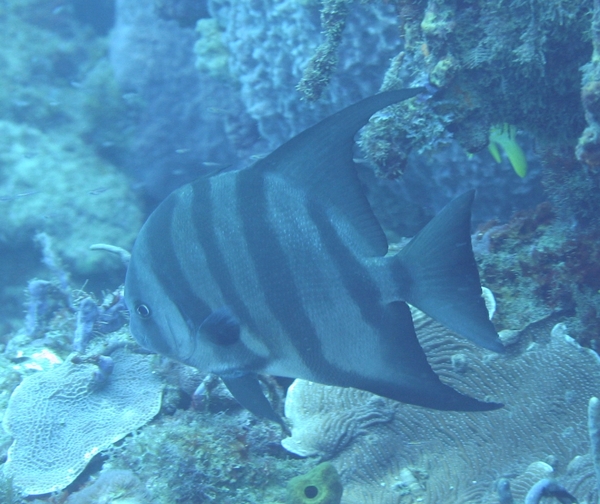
pixel 320 161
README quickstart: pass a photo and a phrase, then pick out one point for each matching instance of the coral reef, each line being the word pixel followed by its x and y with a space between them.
pixel 185 12
pixel 434 178
pixel 270 44
pixel 594 431
pixel 351 420
pixel 425 456
pixel 572 188
pixel 41 172
pixel 114 486
pixel 56 76
pixel 191 457
pixel 44 300
pixel 212 56
pixel 86 317
pixel 62 127
pixel 192 452
pixel 495 62
pixel 549 488
pixel 182 88
pixel 537 265
pixel 92 318
pixel 317 73
pixel 173 132
pixel 62 417
pixel 588 147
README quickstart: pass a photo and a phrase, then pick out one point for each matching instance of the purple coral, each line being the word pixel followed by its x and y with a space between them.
pixel 86 318
pixel 44 300
pixel 103 319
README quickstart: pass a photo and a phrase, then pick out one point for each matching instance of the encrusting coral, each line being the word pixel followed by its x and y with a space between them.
pixel 545 381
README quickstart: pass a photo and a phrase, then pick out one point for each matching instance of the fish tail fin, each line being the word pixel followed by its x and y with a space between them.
pixel 437 273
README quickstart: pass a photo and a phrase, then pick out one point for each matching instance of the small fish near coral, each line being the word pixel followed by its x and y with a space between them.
pixel 282 269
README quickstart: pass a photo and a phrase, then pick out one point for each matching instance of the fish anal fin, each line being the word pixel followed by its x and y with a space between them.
pixel 416 382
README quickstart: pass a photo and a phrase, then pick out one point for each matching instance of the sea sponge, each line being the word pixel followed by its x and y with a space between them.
pixel 321 485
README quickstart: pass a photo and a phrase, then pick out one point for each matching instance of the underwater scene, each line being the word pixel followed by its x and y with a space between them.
pixel 300 251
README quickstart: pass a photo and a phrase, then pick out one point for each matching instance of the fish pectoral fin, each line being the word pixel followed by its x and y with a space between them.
pixel 246 390
pixel 221 327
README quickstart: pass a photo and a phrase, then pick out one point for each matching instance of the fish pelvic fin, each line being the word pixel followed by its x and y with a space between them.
pixel 437 273
pixel 246 390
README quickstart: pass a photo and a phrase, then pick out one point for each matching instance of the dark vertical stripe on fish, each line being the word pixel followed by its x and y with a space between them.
pixel 274 272
pixel 355 277
pixel 358 283
pixel 281 294
pixel 166 267
pixel 392 322
pixel 202 210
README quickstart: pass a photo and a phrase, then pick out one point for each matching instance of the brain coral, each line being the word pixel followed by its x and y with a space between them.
pixel 427 456
pixel 61 418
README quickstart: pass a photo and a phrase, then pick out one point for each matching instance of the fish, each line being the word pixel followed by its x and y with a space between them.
pixel 97 191
pixel 282 269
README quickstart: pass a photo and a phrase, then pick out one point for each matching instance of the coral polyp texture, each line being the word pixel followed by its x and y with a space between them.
pixel 61 418
pixel 391 453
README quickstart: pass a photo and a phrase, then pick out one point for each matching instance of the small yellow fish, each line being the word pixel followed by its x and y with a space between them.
pixel 505 136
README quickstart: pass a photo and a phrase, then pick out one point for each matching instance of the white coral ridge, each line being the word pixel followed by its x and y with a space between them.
pixel 61 418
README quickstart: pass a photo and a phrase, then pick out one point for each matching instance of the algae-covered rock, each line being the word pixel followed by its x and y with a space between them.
pixel 321 485
pixel 54 183
pixel 211 54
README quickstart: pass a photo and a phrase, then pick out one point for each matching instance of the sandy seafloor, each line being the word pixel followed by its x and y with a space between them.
pixel 107 106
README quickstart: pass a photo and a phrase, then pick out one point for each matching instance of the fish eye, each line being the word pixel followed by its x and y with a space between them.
pixel 143 310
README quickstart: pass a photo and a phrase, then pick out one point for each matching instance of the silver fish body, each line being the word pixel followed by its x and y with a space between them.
pixel 281 269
